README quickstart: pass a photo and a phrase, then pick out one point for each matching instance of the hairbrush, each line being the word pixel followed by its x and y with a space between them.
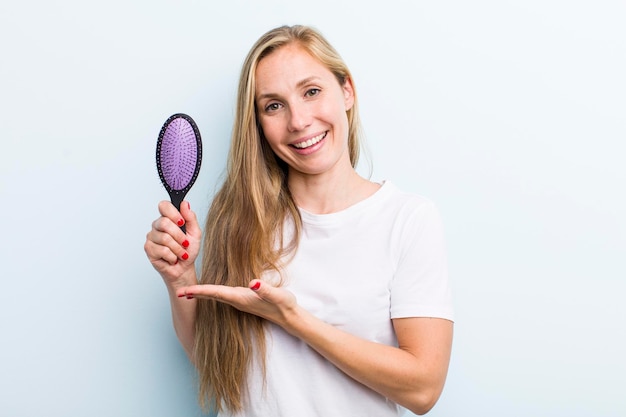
pixel 178 156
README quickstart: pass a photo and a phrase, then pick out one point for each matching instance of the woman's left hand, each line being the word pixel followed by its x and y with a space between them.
pixel 259 298
pixel 411 374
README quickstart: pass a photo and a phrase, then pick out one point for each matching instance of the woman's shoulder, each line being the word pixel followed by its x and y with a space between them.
pixel 399 198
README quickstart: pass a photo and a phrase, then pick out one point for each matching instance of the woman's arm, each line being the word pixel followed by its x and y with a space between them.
pixel 172 253
pixel 412 374
pixel 183 319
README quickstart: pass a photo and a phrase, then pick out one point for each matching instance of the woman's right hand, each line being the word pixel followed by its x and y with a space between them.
pixel 171 251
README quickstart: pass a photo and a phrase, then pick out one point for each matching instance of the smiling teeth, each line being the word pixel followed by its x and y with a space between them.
pixel 310 142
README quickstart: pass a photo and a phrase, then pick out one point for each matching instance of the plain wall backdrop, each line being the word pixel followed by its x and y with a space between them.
pixel 510 115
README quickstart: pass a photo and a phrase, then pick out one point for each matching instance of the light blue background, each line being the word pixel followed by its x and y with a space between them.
pixel 510 115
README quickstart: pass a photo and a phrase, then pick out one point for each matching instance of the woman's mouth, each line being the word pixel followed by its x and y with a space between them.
pixel 308 143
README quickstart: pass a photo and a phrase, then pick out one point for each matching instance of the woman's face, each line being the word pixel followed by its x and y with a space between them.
pixel 302 110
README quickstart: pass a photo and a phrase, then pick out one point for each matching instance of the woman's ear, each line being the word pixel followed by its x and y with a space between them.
pixel 348 93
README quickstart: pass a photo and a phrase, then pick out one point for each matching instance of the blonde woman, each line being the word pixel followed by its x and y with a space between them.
pixel 321 293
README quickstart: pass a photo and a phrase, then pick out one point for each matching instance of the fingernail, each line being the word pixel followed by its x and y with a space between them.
pixel 188 205
pixel 181 295
pixel 181 222
pixel 256 286
pixel 185 256
pixel 189 297
pixel 186 244
pixel 176 261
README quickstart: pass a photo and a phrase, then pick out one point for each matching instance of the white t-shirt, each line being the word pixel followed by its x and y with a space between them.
pixel 356 269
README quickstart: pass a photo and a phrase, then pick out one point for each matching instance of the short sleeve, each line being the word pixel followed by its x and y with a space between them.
pixel 420 286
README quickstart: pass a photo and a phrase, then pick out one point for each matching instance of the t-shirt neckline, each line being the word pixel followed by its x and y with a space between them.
pixel 326 219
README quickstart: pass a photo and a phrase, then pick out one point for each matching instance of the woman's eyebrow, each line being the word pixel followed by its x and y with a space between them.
pixel 299 84
pixel 306 81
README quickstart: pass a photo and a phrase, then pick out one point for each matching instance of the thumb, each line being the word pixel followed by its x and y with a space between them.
pixel 264 290
pixel 255 285
pixel 191 221
pixel 282 299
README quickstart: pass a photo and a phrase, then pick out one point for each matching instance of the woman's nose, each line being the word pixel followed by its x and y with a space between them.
pixel 299 117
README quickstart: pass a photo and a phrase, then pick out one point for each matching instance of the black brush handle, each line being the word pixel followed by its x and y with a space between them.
pixel 177 198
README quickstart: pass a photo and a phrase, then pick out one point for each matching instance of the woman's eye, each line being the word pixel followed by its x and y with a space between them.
pixel 272 107
pixel 313 92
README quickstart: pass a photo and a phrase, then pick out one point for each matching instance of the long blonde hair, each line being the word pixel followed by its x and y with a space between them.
pixel 244 227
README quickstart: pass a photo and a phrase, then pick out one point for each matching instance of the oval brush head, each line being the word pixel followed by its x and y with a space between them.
pixel 179 156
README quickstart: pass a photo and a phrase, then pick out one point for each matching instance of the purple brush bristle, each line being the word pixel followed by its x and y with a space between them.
pixel 179 155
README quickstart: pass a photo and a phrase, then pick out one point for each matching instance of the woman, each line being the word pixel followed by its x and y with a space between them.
pixel 321 293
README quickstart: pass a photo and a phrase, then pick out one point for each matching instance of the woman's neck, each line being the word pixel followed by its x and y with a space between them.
pixel 324 194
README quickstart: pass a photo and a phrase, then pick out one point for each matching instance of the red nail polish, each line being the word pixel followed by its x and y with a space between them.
pixel 181 222
pixel 186 244
pixel 181 295
pixel 256 286
pixel 188 205
pixel 189 297
pixel 185 256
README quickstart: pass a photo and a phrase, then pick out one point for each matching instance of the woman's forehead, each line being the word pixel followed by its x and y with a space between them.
pixel 289 67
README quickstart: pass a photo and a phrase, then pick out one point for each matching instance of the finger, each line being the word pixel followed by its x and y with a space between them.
pixel 223 293
pixel 165 224
pixel 265 291
pixel 272 295
pixel 159 253
pixel 193 228
pixel 255 285
pixel 167 234
pixel 167 209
